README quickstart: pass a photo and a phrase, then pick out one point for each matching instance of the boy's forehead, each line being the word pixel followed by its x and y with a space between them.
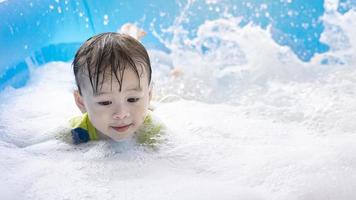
pixel 113 84
pixel 129 81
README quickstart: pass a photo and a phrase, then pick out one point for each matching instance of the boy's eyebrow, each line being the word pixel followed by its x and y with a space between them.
pixel 137 89
pixel 100 93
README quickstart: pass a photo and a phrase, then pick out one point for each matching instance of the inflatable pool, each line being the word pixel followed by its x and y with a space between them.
pixel 258 97
pixel 36 32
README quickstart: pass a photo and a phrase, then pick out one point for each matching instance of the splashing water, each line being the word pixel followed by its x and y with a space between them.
pixel 255 123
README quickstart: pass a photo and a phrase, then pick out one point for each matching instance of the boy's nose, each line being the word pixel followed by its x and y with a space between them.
pixel 120 115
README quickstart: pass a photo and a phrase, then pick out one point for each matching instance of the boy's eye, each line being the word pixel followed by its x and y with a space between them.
pixel 133 100
pixel 104 103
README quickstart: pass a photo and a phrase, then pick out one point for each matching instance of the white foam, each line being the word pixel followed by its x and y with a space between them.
pixel 279 128
pixel 31 114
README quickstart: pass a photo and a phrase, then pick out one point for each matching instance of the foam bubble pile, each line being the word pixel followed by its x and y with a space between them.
pixel 247 119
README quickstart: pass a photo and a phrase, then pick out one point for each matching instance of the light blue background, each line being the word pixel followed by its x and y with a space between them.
pixel 34 32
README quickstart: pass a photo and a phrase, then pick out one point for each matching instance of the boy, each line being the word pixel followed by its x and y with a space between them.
pixel 113 75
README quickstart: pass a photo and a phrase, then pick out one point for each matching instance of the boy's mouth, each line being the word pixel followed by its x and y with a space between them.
pixel 121 128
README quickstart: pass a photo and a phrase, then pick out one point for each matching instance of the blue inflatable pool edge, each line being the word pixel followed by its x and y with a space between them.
pixel 35 32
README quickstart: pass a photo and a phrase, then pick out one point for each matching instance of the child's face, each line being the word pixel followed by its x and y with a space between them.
pixel 117 114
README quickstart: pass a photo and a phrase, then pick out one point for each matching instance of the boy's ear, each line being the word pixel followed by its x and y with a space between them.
pixel 79 101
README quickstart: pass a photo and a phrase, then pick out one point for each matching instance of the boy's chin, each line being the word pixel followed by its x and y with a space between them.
pixel 121 137
pixel 116 136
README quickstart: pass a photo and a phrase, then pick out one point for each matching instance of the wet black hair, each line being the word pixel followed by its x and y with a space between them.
pixel 107 55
